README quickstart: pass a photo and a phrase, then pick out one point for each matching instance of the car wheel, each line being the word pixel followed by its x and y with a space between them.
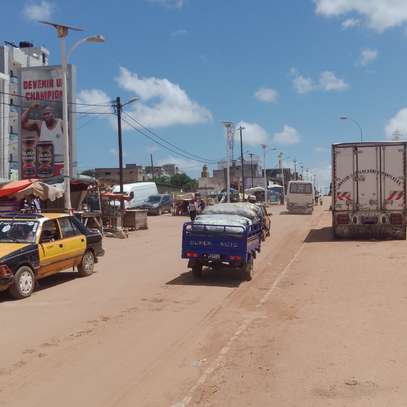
pixel 87 264
pixel 24 283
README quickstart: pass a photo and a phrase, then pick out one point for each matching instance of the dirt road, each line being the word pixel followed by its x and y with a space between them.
pixel 320 324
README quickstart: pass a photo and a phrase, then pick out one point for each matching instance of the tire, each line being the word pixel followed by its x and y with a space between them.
pixel 24 283
pixel 197 270
pixel 87 264
pixel 247 269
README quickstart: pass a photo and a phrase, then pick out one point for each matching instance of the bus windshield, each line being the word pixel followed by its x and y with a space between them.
pixel 300 188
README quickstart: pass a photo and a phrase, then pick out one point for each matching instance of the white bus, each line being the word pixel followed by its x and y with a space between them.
pixel 300 197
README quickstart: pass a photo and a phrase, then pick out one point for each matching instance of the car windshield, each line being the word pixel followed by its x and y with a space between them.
pixel 153 199
pixel 17 231
pixel 300 188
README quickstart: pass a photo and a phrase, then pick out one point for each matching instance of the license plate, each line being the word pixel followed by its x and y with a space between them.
pixel 214 256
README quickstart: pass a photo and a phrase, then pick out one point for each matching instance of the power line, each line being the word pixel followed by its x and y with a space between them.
pixel 169 143
pixel 160 144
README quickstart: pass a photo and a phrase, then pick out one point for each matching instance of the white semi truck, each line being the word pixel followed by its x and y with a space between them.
pixel 369 189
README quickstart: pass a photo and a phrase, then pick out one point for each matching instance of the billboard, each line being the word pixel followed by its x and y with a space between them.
pixel 42 131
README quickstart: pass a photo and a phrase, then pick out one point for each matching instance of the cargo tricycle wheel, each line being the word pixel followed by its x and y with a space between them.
pixel 197 270
pixel 247 269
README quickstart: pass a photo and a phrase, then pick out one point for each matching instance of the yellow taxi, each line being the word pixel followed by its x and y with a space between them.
pixel 36 246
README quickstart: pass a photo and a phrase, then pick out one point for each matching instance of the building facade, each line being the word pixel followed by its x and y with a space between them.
pixel 12 59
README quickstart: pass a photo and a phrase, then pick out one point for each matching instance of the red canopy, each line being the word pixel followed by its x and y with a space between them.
pixel 14 186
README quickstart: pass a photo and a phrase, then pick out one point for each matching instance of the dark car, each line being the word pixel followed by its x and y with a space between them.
pixel 36 246
pixel 157 204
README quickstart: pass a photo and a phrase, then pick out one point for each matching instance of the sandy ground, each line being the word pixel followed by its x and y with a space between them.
pixel 320 324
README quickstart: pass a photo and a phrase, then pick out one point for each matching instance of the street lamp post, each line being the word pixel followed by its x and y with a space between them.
pixel 357 124
pixel 263 146
pixel 62 33
pixel 242 159
pixel 229 141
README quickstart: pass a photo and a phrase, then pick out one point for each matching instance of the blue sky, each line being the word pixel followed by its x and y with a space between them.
pixel 286 69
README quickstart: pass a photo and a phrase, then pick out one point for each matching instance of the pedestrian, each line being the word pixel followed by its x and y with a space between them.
pixel 192 209
pixel 200 204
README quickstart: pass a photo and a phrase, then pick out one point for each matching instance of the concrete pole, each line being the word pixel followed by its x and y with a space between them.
pixel 67 163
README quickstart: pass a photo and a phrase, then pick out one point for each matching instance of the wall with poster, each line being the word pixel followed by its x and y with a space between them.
pixel 42 132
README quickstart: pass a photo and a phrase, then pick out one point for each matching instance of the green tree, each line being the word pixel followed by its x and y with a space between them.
pixel 182 181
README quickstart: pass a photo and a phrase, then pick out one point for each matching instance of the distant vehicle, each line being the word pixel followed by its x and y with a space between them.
pixel 138 192
pixel 300 197
pixel 36 246
pixel 369 189
pixel 157 204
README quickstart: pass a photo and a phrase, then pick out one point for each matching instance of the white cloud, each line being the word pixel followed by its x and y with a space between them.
pixel 267 95
pixel 253 133
pixel 350 23
pixel 379 14
pixel 328 82
pixel 367 56
pixel 179 33
pixel 287 136
pixel 397 126
pixel 35 11
pixel 162 103
pixel 93 97
pixel 169 3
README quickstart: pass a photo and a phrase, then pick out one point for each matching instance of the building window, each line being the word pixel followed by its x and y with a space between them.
pixel 108 173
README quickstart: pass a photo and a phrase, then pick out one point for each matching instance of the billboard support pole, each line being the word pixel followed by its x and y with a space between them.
pixel 67 163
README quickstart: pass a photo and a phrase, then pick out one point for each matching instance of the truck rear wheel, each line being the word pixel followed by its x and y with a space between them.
pixel 197 270
pixel 247 269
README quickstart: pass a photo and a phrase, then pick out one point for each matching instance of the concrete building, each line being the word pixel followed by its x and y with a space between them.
pixel 12 58
pixel 171 169
pixel 111 176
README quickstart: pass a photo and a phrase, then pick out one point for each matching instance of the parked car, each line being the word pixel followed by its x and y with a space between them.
pixel 36 246
pixel 157 204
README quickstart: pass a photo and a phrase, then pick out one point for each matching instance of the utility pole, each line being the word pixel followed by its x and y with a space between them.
pixel 295 169
pixel 119 108
pixel 264 169
pixel 280 161
pixel 251 167
pixel 152 166
pixel 242 158
pixel 229 141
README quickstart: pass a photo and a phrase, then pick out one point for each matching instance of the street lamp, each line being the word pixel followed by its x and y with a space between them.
pixel 354 121
pixel 62 33
pixel 229 127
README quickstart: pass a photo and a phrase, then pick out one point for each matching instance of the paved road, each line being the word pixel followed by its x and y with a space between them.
pixel 142 332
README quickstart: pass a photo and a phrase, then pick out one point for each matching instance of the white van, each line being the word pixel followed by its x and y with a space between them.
pixel 138 192
pixel 300 197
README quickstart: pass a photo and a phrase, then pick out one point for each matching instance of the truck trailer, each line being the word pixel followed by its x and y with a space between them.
pixel 369 189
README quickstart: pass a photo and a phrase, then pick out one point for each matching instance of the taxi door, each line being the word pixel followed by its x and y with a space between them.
pixel 73 240
pixel 50 249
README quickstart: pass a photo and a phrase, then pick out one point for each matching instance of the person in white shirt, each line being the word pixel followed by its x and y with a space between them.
pixel 48 129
